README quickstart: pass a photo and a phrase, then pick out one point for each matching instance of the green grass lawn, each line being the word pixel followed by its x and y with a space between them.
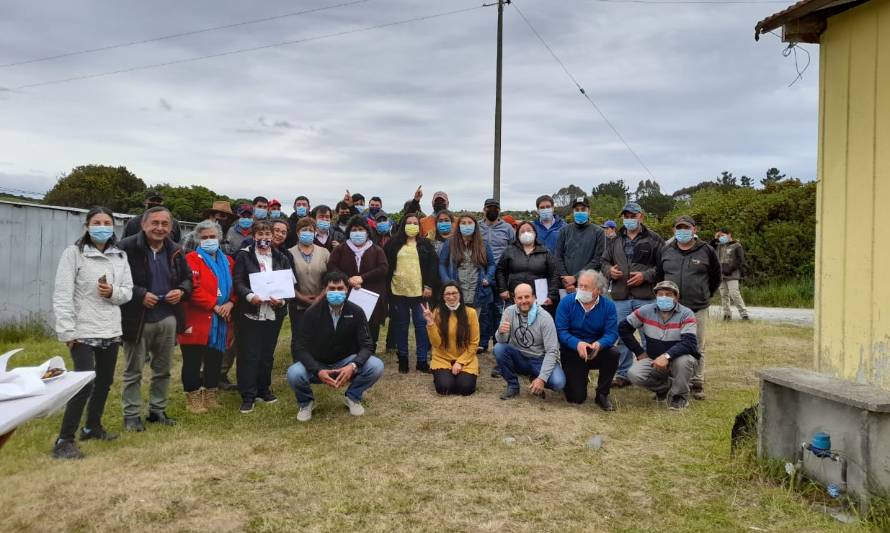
pixel 416 461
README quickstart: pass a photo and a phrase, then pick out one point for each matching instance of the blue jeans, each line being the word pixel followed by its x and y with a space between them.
pixel 406 309
pixel 300 381
pixel 623 309
pixel 511 362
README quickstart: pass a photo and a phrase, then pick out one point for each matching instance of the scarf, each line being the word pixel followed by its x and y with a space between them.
pixel 359 252
pixel 219 329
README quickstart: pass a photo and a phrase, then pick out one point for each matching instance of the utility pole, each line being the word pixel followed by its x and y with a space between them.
pixel 497 103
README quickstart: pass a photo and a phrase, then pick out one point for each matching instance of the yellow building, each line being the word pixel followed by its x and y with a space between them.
pixel 852 338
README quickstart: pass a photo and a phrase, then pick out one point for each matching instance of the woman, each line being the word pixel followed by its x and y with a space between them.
pixel 365 264
pixel 92 282
pixel 453 329
pixel 413 277
pixel 310 265
pixel 208 319
pixel 258 321
pixel 443 231
pixel 524 262
pixel 469 262
pixel 280 231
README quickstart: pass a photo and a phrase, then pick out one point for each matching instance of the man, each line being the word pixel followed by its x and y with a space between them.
pixel 333 347
pixel 301 209
pixel 326 235
pixel 344 213
pixel 428 223
pixel 587 328
pixel 153 198
pixel 497 235
pixel 732 257
pixel 240 231
pixel 275 209
pixel 579 246
pixel 527 344
pixel 693 265
pixel 260 208
pixel 630 262
pixel 666 365
pixel 162 279
pixel 358 203
pixel 222 214
pixel 547 226
pixel 609 229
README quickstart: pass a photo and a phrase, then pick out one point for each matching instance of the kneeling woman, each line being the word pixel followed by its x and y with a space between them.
pixel 453 329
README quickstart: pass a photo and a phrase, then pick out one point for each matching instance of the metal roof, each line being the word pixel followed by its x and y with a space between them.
pixel 817 10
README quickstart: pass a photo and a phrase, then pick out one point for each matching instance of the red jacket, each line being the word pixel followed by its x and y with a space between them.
pixel 199 308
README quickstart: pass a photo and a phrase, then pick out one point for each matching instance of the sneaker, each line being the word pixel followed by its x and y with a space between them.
pixel 603 401
pixel 133 423
pixel 268 397
pixel 97 434
pixel 510 393
pixel 679 403
pixel 160 418
pixel 620 382
pixel 698 393
pixel 246 407
pixel 355 408
pixel 305 412
pixel 66 449
pixel 661 397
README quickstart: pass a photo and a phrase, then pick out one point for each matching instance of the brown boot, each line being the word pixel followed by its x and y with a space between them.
pixel 194 402
pixel 211 398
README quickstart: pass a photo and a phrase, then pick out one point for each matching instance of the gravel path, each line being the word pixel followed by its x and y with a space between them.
pixel 797 317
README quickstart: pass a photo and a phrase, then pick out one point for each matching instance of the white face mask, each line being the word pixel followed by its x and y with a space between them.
pixel 451 307
pixel 527 238
pixel 585 297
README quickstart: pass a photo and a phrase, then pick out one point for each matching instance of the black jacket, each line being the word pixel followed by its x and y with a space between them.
pixel 246 264
pixel 429 264
pixel 516 267
pixel 318 343
pixel 647 255
pixel 695 271
pixel 133 312
pixel 134 227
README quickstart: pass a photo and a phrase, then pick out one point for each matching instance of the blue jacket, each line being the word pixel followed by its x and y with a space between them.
pixel 448 272
pixel 548 237
pixel 497 236
pixel 573 325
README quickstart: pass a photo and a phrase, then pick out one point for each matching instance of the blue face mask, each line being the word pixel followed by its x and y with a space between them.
pixel 100 234
pixel 245 223
pixel 546 214
pixel 210 245
pixel 665 303
pixel 723 239
pixel 307 237
pixel 467 229
pixel 358 238
pixel 581 217
pixel 261 213
pixel 301 211
pixel 384 227
pixel 443 227
pixel 683 235
pixel 631 224
pixel 533 314
pixel 275 213
pixel 336 297
pixel 324 225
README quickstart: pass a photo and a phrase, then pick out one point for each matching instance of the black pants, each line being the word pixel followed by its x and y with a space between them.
pixel 374 330
pixel 193 358
pixel 256 355
pixel 576 369
pixel 103 362
pixel 447 383
pixel 296 315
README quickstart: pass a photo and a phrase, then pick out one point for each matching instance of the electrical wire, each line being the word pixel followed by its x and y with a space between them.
pixel 183 34
pixel 693 2
pixel 581 89
pixel 240 50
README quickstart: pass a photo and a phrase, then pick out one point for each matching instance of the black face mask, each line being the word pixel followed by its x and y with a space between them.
pixel 439 206
pixel 492 214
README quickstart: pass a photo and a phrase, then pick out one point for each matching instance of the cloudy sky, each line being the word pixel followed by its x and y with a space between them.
pixel 384 111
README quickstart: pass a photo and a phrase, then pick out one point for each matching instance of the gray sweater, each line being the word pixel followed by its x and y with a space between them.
pixel 579 248
pixel 536 341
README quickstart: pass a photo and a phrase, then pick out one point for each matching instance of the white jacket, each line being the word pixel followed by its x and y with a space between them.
pixel 80 312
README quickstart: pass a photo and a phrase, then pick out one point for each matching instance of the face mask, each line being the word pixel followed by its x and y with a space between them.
pixel 210 245
pixel 412 230
pixel 301 211
pixel 358 238
pixel 454 307
pixel 492 214
pixel 324 225
pixel 683 235
pixel 261 213
pixel 336 297
pixel 384 227
pixel 581 217
pixel 527 237
pixel 546 214
pixel 100 234
pixel 585 297
pixel 264 243
pixel 245 223
pixel 275 213
pixel 532 314
pixel 723 239
pixel 631 224
pixel 443 227
pixel 374 210
pixel 467 229
pixel 439 206
pixel 664 303
pixel 307 237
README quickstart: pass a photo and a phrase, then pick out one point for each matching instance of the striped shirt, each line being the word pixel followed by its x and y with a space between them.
pixel 674 336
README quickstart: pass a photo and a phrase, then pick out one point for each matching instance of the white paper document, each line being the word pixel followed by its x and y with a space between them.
pixel 24 381
pixel 278 284
pixel 365 299
pixel 541 290
pixel 562 293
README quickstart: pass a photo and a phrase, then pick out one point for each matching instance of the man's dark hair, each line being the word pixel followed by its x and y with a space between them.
pixel 542 198
pixel 259 199
pixel 375 199
pixel 301 197
pixel 343 205
pixel 357 196
pixel 322 209
pixel 724 229
pixel 335 276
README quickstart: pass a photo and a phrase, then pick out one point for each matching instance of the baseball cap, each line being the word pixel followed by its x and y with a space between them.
pixel 492 202
pixel 632 207
pixel 579 200
pixel 669 285
pixel 609 224
pixel 684 219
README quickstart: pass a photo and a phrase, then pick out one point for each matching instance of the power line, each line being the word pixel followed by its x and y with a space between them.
pixel 241 50
pixel 580 88
pixel 183 34
pixel 693 2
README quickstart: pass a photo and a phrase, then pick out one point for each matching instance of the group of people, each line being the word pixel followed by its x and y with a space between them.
pixel 554 299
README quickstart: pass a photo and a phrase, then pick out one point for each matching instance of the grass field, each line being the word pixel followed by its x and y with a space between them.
pixel 416 461
pixel 797 293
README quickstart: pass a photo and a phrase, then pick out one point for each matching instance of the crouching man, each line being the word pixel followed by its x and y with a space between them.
pixel 668 363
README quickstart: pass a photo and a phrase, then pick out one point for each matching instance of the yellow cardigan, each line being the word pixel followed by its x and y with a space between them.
pixel 445 354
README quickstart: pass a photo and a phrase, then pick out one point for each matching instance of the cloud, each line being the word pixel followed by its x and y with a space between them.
pixel 165 105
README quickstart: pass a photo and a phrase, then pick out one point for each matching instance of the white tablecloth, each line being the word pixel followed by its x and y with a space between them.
pixel 14 413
